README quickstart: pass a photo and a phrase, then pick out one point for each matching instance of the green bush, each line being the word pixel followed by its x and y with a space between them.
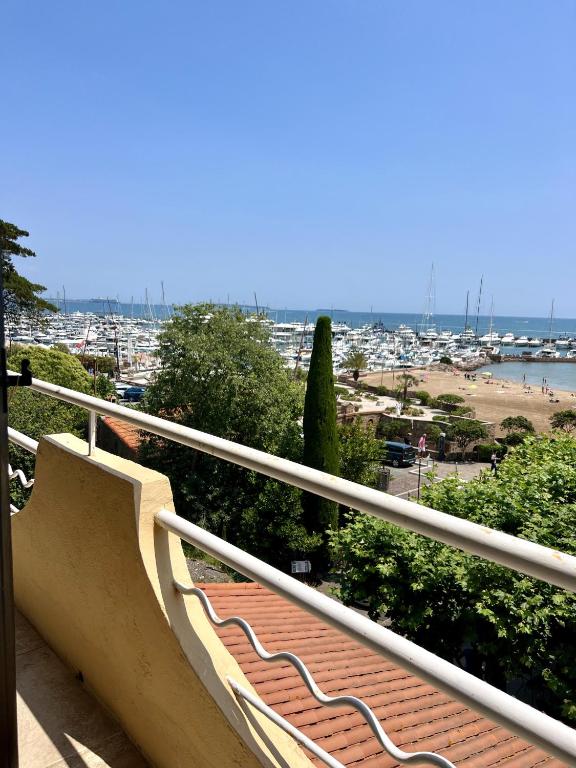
pixel 423 396
pixel 381 391
pixel 342 391
pixel 445 360
pixel 450 399
pixel 515 438
pixel 463 410
pixel 412 411
pixel 484 451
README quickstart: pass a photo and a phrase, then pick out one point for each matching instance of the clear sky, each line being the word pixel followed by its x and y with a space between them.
pixel 317 152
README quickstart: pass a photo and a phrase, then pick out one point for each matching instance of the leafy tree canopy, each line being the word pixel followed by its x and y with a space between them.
pixel 20 295
pixel 221 375
pixel 564 420
pixel 517 424
pixel 360 452
pixel 35 414
pixel 51 365
pixel 466 431
pixel 507 626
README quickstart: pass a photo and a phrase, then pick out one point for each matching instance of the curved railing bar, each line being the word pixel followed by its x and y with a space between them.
pixel 250 698
pixel 17 473
pixel 302 669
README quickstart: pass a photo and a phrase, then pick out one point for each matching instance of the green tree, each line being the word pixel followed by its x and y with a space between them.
pixel 220 375
pixel 20 296
pixel 51 365
pixel 320 434
pixel 35 414
pixel 405 381
pixel 394 429
pixel 360 452
pixel 466 431
pixel 506 625
pixel 517 424
pixel 564 420
pixel 356 361
pixel 104 388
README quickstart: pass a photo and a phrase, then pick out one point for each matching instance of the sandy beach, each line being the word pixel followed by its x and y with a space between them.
pixel 492 399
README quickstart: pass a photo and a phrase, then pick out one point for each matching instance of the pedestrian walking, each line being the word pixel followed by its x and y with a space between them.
pixel 422 445
pixel 494 463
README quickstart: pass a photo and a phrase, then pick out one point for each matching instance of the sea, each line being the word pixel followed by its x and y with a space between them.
pixel 559 375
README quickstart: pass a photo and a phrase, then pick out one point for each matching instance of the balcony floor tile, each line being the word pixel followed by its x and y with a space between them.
pixel 59 722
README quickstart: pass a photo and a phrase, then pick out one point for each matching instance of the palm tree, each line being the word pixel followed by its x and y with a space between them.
pixel 355 361
pixel 406 381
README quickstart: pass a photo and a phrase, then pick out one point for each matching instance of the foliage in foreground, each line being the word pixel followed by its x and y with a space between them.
pixel 35 414
pixel 500 624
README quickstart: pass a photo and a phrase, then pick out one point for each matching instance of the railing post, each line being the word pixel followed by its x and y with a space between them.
pixel 8 724
pixel 91 432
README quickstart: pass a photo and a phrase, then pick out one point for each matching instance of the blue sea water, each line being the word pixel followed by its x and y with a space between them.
pixel 556 375
pixel 519 326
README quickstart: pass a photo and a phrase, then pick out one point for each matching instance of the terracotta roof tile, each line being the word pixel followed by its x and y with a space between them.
pixel 415 714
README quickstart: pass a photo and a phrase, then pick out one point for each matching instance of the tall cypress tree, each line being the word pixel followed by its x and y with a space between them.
pixel 320 433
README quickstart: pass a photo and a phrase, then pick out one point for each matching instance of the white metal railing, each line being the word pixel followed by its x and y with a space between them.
pixel 310 683
pixel 526 557
pixel 536 727
pixel 532 559
pixel 28 444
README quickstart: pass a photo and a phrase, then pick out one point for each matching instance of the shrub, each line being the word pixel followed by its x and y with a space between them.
pixel 412 411
pixel 463 410
pixel 515 438
pixel 450 398
pixel 423 396
pixel 484 451
pixel 381 391
pixel 445 360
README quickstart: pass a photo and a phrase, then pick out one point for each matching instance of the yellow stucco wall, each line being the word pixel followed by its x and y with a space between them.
pixel 94 574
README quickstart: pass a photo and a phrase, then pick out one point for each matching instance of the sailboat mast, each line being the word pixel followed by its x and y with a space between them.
pixel 550 328
pixel 478 306
pixel 466 318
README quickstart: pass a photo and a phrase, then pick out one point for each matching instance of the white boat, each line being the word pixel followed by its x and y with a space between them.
pixel 521 341
pixel 547 351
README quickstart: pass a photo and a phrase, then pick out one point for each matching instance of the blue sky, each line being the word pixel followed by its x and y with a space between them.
pixel 317 153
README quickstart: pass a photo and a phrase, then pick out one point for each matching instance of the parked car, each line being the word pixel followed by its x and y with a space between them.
pixel 399 454
pixel 134 394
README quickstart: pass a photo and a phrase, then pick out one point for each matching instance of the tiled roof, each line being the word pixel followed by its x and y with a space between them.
pixel 128 433
pixel 415 715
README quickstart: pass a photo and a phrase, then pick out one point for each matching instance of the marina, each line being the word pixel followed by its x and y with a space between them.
pixel 384 344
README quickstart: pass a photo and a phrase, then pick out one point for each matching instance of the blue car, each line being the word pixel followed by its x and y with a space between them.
pixel 134 394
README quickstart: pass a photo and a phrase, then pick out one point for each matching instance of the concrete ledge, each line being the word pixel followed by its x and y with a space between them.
pixel 93 574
